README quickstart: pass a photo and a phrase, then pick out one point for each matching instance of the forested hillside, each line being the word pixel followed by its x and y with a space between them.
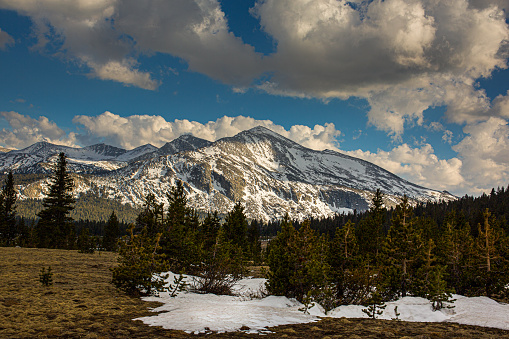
pixel 88 206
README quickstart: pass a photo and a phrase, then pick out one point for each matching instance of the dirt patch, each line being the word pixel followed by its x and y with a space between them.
pixel 82 303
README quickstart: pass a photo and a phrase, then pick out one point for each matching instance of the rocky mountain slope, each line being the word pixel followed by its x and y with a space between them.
pixel 270 174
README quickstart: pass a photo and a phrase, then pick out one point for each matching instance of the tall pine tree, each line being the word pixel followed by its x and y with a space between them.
pixel 8 211
pixel 402 248
pixel 111 233
pixel 55 228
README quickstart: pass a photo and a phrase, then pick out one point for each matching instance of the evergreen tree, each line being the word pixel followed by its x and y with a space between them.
pixel 402 248
pixel 281 260
pixel 370 230
pixel 298 263
pixel 180 241
pixel 253 240
pixel 139 265
pixel 222 267
pixel 151 216
pixel 455 251
pixel 55 227
pixel 8 223
pixel 111 233
pixel 236 226
pixel 351 275
pixel 86 243
pixel 437 292
pixel 375 306
pixel 491 243
pixel 209 231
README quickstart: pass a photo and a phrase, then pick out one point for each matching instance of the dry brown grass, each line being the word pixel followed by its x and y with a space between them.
pixel 82 303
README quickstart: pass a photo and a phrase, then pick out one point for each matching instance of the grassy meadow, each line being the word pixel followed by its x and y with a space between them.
pixel 81 303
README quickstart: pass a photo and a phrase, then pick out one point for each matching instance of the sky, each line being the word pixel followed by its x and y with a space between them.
pixel 418 87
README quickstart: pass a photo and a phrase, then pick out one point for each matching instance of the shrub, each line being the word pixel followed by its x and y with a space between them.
pixel 140 267
pixel 46 277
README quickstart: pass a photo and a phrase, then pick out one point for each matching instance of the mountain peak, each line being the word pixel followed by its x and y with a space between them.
pixel 185 142
pixel 262 134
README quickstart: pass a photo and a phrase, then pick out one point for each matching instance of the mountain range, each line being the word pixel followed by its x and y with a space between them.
pixel 270 174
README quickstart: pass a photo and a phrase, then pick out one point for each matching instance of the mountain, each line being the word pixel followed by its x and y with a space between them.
pixel 183 143
pixel 269 173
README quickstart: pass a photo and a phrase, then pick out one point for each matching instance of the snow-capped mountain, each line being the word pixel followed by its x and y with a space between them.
pixel 270 174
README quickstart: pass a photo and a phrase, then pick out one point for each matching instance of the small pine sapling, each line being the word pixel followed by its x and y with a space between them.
pixel 140 266
pixel 376 306
pixel 179 285
pixel 46 277
pixel 307 303
pixel 396 314
pixel 439 296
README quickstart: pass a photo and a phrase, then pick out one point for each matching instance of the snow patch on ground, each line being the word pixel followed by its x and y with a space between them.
pixel 201 313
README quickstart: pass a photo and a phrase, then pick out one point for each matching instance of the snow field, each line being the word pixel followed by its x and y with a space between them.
pixel 201 313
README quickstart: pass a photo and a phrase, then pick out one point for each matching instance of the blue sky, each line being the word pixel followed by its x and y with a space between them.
pixel 417 87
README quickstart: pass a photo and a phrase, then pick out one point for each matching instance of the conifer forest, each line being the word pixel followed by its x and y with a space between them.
pixel 429 250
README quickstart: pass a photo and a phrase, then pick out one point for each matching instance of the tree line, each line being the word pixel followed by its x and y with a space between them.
pixel 408 254
pixel 429 250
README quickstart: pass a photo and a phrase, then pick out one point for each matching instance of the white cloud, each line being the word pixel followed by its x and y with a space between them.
pixel 108 35
pixel 485 153
pixel 26 131
pixel 136 130
pixel 83 30
pixel 196 31
pixel 418 165
pixel 5 40
pixel 403 56
pixel 125 73
pixel 481 163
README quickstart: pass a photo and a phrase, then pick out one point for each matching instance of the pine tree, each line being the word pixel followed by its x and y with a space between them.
pixel 55 227
pixel 209 230
pixel 281 260
pixel 351 274
pixel 86 243
pixel 375 306
pixel 298 263
pixel 455 251
pixel 8 223
pixel 151 217
pixel 437 292
pixel 222 267
pixel 492 265
pixel 370 230
pixel 111 233
pixel 140 267
pixel 253 240
pixel 236 226
pixel 175 239
pixel 403 246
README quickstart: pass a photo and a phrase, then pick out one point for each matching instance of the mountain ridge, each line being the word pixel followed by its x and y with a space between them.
pixel 270 174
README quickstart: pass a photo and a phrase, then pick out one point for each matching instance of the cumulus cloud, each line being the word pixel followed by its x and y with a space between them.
pixel 484 152
pixel 26 131
pixel 481 164
pixel 196 31
pixel 83 31
pixel 5 40
pixel 124 72
pixel 137 130
pixel 403 56
pixel 108 35
pixel 418 165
